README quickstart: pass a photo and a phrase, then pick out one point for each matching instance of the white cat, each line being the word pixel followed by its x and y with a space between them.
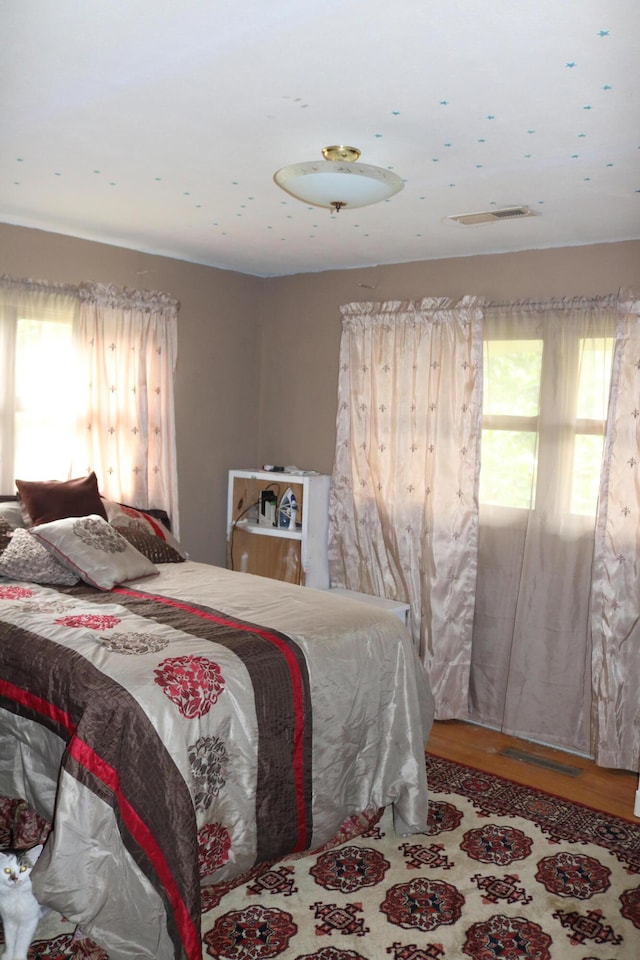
pixel 19 909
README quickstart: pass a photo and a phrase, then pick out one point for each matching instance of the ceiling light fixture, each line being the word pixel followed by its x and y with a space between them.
pixel 339 180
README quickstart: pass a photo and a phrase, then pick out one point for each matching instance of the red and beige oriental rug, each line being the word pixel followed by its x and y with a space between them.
pixel 504 873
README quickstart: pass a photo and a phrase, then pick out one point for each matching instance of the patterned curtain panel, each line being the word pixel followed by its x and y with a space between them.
pixel 615 604
pixel 127 341
pixel 403 516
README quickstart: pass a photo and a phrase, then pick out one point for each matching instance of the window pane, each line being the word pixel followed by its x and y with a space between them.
pixel 508 468
pixel 44 399
pixel 587 460
pixel 595 378
pixel 512 377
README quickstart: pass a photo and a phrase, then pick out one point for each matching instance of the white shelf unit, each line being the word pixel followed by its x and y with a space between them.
pixel 298 556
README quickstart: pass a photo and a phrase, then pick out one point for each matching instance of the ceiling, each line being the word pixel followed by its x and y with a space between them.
pixel 157 125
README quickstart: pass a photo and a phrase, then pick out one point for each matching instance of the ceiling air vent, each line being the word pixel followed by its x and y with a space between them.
pixel 491 216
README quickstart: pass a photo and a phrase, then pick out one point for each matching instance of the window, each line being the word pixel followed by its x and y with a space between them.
pixel 38 396
pixel 591 417
pixel 511 407
pixel 86 383
pixel 44 422
pixel 544 415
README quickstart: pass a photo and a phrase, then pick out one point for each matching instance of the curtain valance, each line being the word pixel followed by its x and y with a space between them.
pixel 102 294
pixel 126 298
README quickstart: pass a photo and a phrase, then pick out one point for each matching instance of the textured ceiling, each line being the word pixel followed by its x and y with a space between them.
pixel 158 124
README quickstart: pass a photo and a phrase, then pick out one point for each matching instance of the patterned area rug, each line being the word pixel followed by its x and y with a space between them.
pixel 504 873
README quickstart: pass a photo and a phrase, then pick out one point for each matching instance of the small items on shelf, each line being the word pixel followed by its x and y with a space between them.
pixel 278 524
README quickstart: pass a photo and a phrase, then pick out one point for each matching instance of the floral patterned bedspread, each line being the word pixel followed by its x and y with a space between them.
pixel 174 739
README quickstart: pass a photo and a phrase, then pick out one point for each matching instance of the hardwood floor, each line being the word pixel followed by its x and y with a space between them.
pixel 574 778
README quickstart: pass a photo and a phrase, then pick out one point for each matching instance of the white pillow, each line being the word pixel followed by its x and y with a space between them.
pixel 94 550
pixel 26 559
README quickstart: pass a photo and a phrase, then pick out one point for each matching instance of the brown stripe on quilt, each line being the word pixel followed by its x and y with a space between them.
pixel 276 795
pixel 105 717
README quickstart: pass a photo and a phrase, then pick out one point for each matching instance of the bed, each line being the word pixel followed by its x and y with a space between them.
pixel 186 724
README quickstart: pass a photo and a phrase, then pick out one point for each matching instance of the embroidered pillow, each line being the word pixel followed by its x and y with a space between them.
pixel 150 546
pixel 94 550
pixel 26 559
pixel 45 501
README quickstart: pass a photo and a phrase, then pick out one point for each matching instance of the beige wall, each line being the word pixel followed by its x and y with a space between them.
pixel 258 359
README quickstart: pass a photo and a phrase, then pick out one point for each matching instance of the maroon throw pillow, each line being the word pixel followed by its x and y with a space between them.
pixel 49 500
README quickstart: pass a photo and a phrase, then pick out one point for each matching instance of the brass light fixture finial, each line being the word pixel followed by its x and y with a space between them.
pixel 341 153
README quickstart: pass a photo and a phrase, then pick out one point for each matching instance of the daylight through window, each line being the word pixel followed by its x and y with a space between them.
pixel 44 400
pixel 545 404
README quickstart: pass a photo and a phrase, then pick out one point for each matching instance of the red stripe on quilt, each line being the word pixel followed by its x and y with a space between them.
pixel 87 757
pixel 296 687
pixel 38 705
pixel 90 760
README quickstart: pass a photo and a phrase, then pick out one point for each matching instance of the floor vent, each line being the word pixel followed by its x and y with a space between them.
pixel 525 757
pixel 493 216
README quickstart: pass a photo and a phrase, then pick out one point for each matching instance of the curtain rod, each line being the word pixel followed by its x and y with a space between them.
pixel 604 300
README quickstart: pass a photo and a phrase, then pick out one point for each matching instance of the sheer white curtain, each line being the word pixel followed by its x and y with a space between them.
pixel 37 365
pixel 403 517
pixel 127 341
pixel 615 606
pixel 531 662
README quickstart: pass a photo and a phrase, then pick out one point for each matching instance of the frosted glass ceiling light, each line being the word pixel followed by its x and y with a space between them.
pixel 338 181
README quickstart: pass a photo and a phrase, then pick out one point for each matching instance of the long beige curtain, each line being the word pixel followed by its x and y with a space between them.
pixel 615 605
pixel 128 349
pixel 403 520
